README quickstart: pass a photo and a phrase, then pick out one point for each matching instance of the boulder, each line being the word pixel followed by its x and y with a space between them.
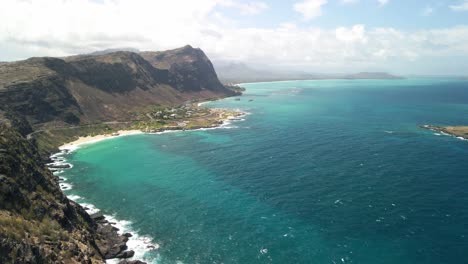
pixel 110 243
pixel 126 254
pixel 131 262
pixel 59 166
pixel 97 216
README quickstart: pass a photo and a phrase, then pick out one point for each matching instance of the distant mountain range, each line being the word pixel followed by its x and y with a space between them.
pixel 107 51
pixel 231 72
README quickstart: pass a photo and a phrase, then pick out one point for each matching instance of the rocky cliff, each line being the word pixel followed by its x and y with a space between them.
pixel 189 69
pixel 109 87
pixel 38 224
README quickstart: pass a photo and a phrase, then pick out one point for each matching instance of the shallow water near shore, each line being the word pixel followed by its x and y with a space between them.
pixel 332 171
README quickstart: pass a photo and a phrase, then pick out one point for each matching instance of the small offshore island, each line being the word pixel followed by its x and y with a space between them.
pixel 456 131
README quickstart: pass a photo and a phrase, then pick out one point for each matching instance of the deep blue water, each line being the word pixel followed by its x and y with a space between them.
pixel 334 171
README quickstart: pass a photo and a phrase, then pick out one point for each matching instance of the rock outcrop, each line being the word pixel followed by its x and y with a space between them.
pixel 38 224
pixel 189 69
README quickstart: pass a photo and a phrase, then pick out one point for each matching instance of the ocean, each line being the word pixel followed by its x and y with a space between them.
pixel 326 171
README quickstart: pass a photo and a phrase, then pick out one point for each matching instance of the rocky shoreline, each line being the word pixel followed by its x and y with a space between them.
pixel 460 132
pixel 47 102
pixel 111 244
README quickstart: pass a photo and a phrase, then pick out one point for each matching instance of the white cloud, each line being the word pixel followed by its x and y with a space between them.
pixel 355 34
pixel 310 8
pixel 349 1
pixel 383 2
pixel 462 6
pixel 57 28
pixel 251 8
pixel 428 11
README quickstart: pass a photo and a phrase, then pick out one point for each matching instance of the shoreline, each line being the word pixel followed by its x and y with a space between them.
pixel 459 132
pixel 98 138
pixel 86 140
pixel 140 244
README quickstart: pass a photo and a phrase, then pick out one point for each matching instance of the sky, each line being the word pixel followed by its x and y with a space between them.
pixel 396 36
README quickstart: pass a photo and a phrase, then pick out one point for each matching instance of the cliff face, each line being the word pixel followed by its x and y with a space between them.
pixel 190 70
pixel 38 224
pixel 109 87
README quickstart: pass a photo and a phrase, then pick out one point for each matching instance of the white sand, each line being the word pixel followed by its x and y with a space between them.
pixel 93 139
pixel 202 103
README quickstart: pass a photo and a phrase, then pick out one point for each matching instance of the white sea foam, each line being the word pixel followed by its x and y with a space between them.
pixel 57 155
pixel 74 197
pixel 58 172
pixel 90 208
pixel 65 186
pixel 70 148
pixel 138 243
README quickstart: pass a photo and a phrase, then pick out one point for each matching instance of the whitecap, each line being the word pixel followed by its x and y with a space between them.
pixel 74 197
pixel 57 172
pixel 65 186
pixel 139 243
pixel 90 208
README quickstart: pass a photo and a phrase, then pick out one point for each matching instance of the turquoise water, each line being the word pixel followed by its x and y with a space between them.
pixel 331 171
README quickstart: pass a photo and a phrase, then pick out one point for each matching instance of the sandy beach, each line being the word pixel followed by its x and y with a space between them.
pixel 93 139
pixel 217 114
pixel 202 103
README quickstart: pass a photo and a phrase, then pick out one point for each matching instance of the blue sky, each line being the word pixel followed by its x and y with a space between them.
pixel 403 37
pixel 406 15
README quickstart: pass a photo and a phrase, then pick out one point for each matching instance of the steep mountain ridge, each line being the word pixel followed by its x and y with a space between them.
pixel 98 88
pixel 186 65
